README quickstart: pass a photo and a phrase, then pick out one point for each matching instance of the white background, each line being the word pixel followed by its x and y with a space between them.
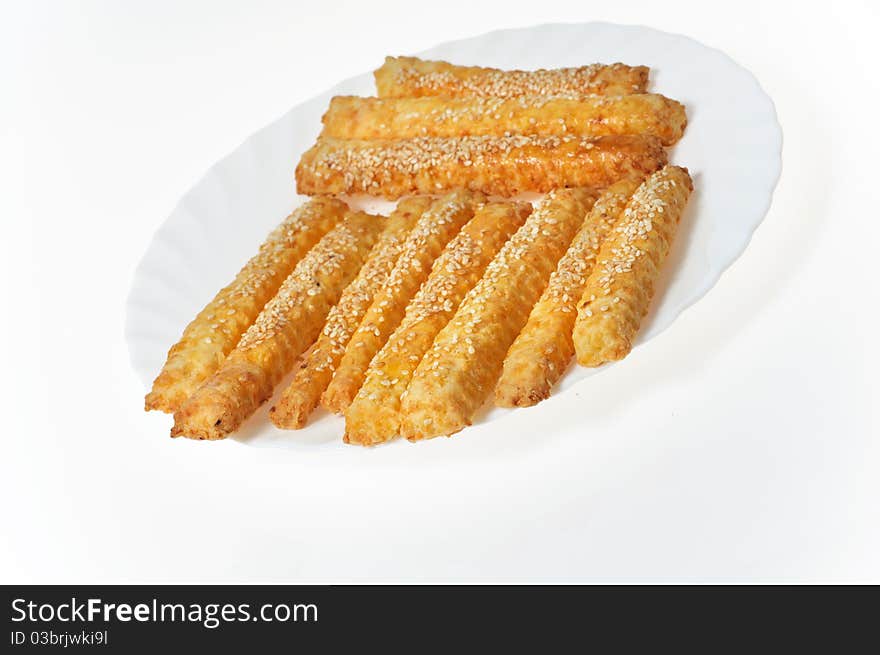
pixel 740 445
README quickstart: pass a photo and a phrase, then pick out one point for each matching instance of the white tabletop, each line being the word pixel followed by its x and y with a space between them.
pixel 740 445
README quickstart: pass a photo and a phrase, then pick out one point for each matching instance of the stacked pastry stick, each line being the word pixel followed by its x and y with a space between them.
pixel 436 127
pixel 407 324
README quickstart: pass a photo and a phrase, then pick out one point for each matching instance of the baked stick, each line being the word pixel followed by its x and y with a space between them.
pixel 620 287
pixel 288 324
pixel 458 372
pixel 352 117
pixel 544 348
pixel 301 397
pixel 410 76
pixel 217 328
pixel 374 415
pixel 494 165
pixel 426 241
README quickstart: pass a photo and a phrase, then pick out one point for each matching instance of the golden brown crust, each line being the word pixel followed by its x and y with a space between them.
pixel 288 324
pixel 373 416
pixel 493 165
pixel 303 394
pixel 620 287
pixel 352 117
pixel 436 227
pixel 215 331
pixel 458 372
pixel 410 76
pixel 544 348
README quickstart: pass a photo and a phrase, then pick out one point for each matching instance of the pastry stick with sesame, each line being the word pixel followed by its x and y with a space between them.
pixel 374 417
pixel 620 287
pixel 494 165
pixel 544 348
pixel 410 76
pixel 288 324
pixel 458 372
pixel 218 327
pixel 303 394
pixel 352 117
pixel 426 241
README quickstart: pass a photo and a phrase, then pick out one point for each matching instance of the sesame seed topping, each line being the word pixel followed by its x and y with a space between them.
pixel 639 233
pixel 325 257
pixel 445 79
pixel 396 166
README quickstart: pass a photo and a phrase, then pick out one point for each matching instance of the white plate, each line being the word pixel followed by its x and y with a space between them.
pixel 732 147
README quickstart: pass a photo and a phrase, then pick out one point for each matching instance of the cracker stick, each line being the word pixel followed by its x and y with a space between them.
pixel 429 237
pixel 495 165
pixel 619 290
pixel 288 324
pixel 352 117
pixel 457 373
pixel 544 348
pixel 315 372
pixel 410 76
pixel 217 328
pixel 374 416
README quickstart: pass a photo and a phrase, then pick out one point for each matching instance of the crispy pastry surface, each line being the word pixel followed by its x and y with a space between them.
pixel 544 348
pixel 435 228
pixel 494 165
pixel 620 287
pixel 458 372
pixel 410 76
pixel 374 415
pixel 288 324
pixel 217 328
pixel 303 394
pixel 353 117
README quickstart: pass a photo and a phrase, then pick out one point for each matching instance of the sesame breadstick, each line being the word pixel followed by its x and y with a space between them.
pixel 374 415
pixel 494 165
pixel 303 394
pixel 619 290
pixel 410 76
pixel 352 117
pixel 544 348
pixel 217 328
pixel 288 324
pixel 426 241
pixel 458 372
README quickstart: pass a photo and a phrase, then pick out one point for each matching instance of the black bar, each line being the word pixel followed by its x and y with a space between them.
pixel 283 618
